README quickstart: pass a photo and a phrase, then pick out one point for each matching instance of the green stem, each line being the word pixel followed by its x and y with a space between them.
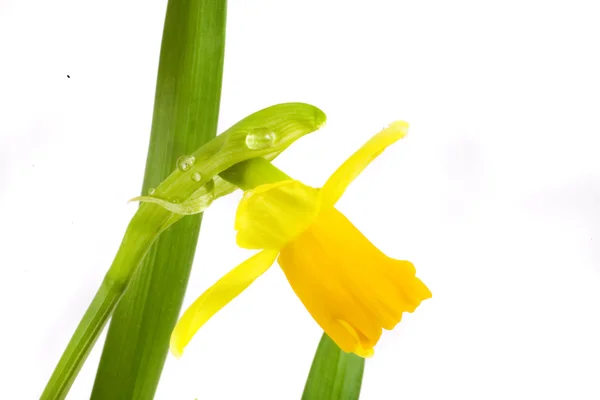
pixel 141 232
pixel 83 339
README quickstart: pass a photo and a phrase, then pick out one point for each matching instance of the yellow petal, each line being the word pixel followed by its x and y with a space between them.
pixel 350 288
pixel 271 215
pixel 217 296
pixel 353 166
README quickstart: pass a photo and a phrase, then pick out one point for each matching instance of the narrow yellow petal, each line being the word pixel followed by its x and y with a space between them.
pixel 217 296
pixel 271 215
pixel 353 166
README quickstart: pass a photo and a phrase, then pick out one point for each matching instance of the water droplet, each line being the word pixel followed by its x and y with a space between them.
pixel 184 163
pixel 260 138
pixel 175 201
pixel 196 177
pixel 151 191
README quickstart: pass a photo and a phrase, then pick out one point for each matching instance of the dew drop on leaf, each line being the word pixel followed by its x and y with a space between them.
pixel 260 138
pixel 184 163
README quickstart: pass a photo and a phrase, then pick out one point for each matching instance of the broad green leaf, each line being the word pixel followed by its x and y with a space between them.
pixel 186 111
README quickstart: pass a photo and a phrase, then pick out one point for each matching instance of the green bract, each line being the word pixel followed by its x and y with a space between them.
pixel 192 187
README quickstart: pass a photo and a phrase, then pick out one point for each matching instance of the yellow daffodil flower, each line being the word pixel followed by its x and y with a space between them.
pixel 350 288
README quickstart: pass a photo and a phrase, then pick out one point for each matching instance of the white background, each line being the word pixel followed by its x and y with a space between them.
pixel 495 194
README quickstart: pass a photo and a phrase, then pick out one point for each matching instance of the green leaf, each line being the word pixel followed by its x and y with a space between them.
pixel 186 110
pixel 334 374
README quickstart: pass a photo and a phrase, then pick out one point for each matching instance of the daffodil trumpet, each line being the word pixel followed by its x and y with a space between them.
pixel 351 289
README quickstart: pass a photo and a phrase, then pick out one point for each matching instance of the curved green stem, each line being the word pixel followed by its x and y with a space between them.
pixel 161 288
pixel 83 339
pixel 143 229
